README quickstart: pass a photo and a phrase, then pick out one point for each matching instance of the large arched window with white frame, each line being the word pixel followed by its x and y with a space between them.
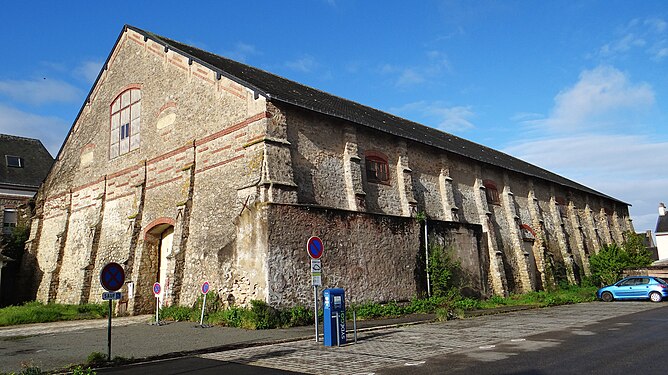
pixel 125 122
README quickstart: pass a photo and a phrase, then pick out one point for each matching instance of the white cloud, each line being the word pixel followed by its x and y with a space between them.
pixel 625 167
pixel 597 100
pixel 88 70
pixel 588 137
pixel 436 114
pixel 303 64
pixel 624 44
pixel 40 91
pixel 409 76
pixel 241 52
pixel 49 130
pixel 648 36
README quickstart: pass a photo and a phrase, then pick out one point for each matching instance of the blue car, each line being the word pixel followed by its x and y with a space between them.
pixel 635 287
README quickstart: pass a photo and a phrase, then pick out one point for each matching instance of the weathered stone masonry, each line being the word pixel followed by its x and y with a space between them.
pixel 228 182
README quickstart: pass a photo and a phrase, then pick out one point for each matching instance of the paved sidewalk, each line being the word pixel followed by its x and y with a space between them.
pixel 53 346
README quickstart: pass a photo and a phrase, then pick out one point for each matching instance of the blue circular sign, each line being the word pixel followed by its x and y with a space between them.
pixel 205 287
pixel 315 247
pixel 156 288
pixel 112 277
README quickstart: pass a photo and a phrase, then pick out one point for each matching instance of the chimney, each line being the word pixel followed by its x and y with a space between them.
pixel 662 209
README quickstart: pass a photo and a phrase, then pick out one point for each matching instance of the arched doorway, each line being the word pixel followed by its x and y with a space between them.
pixel 155 265
pixel 164 252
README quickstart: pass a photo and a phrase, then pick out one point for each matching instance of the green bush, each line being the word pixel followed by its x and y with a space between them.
pixel 178 313
pixel 264 316
pixel 608 265
pixel 443 267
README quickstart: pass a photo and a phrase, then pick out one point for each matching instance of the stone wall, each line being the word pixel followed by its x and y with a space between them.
pixel 374 257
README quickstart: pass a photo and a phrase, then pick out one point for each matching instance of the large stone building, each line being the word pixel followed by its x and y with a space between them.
pixel 186 167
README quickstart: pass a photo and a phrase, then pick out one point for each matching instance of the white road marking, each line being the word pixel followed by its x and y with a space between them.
pixel 487 347
pixel 414 363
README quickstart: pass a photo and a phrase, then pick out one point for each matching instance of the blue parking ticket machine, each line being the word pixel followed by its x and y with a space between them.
pixel 334 320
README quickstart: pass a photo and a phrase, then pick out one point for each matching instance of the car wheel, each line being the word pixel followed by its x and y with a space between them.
pixel 655 297
pixel 607 297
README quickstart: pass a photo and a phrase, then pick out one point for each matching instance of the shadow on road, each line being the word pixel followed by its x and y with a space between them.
pixel 193 365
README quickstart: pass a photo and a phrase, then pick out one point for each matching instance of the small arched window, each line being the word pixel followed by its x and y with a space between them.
pixel 377 167
pixel 125 122
pixel 561 206
pixel 491 192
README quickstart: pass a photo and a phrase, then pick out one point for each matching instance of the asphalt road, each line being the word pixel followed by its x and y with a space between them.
pixel 630 344
pixel 590 338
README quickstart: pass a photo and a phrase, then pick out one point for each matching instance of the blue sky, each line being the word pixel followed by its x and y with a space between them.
pixel 579 88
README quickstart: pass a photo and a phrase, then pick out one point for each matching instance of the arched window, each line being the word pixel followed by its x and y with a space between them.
pixel 377 167
pixel 561 206
pixel 491 192
pixel 125 124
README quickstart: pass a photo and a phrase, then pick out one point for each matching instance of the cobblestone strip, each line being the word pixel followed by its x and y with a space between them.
pixel 412 344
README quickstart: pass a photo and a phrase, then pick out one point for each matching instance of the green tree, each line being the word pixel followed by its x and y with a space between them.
pixel 608 265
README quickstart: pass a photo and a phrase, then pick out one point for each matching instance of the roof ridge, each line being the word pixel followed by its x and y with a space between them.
pixel 18 137
pixel 278 88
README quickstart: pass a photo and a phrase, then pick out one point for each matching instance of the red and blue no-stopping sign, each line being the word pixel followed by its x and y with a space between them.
pixel 315 247
pixel 156 288
pixel 112 277
pixel 205 287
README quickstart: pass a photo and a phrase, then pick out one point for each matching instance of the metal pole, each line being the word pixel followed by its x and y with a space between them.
pixel 338 331
pixel 355 325
pixel 201 319
pixel 426 258
pixel 109 335
pixel 157 308
pixel 315 300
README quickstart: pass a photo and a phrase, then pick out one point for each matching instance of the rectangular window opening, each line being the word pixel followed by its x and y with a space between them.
pixel 14 161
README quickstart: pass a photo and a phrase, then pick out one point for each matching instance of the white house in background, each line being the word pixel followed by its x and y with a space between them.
pixel 661 232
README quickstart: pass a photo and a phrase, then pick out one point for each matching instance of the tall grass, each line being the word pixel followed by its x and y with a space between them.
pixel 37 312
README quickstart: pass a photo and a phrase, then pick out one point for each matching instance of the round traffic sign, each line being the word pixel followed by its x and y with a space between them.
pixel 315 247
pixel 156 288
pixel 205 287
pixel 112 277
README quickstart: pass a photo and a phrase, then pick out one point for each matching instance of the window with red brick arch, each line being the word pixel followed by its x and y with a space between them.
pixel 125 128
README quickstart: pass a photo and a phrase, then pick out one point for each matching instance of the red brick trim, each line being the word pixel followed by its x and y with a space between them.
pixel 124 171
pixel 527 227
pixel 220 163
pixel 163 183
pixel 167 105
pixel 119 196
pixel 156 222
pixel 233 128
pixel 170 154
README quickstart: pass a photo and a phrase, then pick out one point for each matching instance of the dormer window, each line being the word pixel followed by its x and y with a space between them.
pixel 14 161
pixel 377 167
pixel 491 192
pixel 125 122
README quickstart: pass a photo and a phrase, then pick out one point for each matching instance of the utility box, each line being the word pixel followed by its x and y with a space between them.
pixel 334 309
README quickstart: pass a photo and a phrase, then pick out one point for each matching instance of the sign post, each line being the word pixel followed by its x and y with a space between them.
pixel 112 278
pixel 205 290
pixel 156 292
pixel 315 248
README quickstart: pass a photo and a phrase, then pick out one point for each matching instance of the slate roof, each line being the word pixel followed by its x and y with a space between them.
pixel 36 162
pixel 279 89
pixel 662 224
